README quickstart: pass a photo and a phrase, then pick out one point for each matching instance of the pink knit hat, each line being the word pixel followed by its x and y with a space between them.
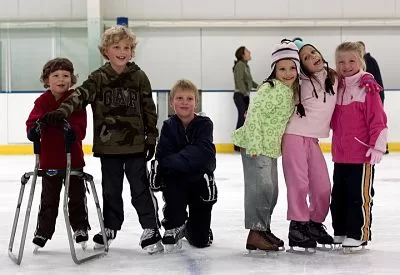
pixel 286 50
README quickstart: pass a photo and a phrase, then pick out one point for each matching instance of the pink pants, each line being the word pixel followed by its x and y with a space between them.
pixel 305 173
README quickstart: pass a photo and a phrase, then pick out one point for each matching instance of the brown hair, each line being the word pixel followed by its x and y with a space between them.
pixel 184 84
pixel 114 35
pixel 56 64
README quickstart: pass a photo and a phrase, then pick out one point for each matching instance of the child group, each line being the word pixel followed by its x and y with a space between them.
pixel 125 135
pixel 297 104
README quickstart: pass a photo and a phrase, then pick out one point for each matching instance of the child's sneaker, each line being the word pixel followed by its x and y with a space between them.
pixel 81 237
pixel 98 238
pixel 151 240
pixel 172 238
pixel 39 241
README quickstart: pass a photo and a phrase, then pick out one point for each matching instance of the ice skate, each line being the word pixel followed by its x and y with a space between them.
pixel 172 239
pixel 39 242
pixel 299 238
pixel 275 240
pixel 317 231
pixel 81 237
pixel 151 241
pixel 98 238
pixel 352 245
pixel 258 243
pixel 338 240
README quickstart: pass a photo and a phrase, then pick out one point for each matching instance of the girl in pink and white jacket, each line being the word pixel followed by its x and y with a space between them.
pixel 305 170
pixel 359 127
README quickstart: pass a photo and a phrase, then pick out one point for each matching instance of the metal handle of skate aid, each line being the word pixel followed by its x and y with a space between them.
pixel 87 178
pixel 24 180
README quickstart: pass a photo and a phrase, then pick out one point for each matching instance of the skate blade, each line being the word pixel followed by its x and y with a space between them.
pixel 154 248
pixel 261 253
pixel 354 249
pixel 36 249
pixel 303 251
pixel 84 245
pixel 98 246
pixel 325 247
pixel 171 248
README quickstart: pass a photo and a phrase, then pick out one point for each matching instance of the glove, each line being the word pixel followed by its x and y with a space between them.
pixel 53 118
pixel 150 149
pixel 368 82
pixel 376 155
pixel 34 134
pixel 156 181
pixel 209 192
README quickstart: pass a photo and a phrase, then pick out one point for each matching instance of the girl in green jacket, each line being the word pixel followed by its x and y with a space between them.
pixel 260 142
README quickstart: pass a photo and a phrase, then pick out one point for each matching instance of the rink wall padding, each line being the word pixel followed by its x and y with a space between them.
pixel 27 149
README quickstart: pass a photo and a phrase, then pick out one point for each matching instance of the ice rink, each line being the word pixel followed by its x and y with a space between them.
pixel 227 255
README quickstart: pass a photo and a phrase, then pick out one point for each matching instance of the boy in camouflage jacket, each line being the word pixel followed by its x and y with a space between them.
pixel 124 133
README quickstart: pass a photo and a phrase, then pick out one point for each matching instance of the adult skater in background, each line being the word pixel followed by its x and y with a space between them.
pixel 243 84
pixel 183 169
pixel 260 140
pixel 358 143
pixel 125 132
pixel 58 77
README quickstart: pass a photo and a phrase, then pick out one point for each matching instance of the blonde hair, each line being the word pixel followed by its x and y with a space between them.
pixel 184 84
pixel 351 47
pixel 114 35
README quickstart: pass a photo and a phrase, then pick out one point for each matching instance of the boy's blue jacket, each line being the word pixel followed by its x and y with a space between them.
pixel 186 153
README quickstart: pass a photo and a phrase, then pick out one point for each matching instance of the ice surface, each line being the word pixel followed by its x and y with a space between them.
pixel 225 256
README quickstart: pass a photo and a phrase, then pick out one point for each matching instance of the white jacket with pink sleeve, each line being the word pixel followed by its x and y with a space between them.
pixel 318 106
pixel 358 118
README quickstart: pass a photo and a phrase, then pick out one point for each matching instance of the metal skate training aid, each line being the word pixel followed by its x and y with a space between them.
pixel 68 133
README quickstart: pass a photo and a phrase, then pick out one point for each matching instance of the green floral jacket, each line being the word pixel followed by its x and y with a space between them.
pixel 266 120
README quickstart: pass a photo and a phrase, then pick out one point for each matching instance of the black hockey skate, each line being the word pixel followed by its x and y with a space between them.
pixel 317 231
pixel 151 241
pixel 299 237
pixel 98 238
pixel 172 239
pixel 39 242
pixel 81 237
pixel 275 240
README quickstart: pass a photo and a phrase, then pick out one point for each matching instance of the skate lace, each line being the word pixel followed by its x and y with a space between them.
pixel 148 233
pixel 80 232
pixel 110 233
pixel 320 227
pixel 174 231
pixel 41 237
pixel 273 236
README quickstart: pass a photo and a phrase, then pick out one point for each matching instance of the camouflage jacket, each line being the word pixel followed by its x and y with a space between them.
pixel 124 113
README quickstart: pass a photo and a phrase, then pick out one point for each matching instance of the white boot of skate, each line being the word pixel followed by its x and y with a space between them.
pixel 351 245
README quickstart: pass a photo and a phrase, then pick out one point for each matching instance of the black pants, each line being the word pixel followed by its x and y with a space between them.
pixel 351 204
pixel 242 104
pixel 180 194
pixel 142 199
pixel 49 203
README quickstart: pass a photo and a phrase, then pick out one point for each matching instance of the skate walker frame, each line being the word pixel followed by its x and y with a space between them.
pixel 68 173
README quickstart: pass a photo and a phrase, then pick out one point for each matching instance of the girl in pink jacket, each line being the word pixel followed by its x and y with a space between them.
pixel 358 143
pixel 304 166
